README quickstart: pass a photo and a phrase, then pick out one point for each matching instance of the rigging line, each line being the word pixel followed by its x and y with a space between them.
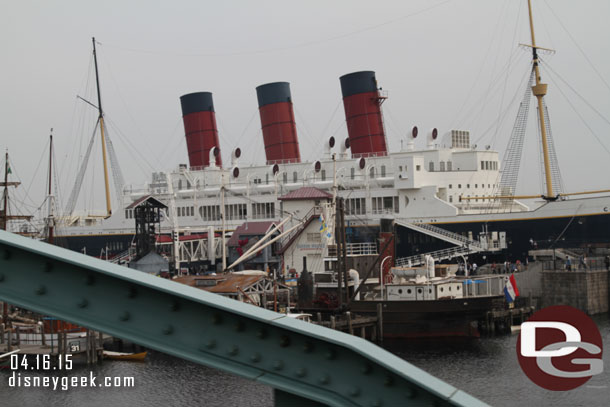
pixel 505 81
pixel 508 107
pixel 80 176
pixel 288 47
pixel 577 45
pixel 123 138
pixel 316 148
pixel 495 82
pixel 578 94
pixel 567 226
pixel 493 69
pixel 330 120
pixel 478 75
pixel 133 121
pixel 27 192
pixel 163 159
pixel 580 116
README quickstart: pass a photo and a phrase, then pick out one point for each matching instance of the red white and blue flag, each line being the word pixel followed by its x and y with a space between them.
pixel 510 289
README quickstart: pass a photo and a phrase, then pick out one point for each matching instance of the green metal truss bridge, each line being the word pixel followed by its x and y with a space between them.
pixel 306 364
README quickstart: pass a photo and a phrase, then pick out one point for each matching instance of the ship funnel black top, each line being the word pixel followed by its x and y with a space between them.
pixel 197 102
pixel 277 123
pixel 358 82
pixel 276 92
pixel 200 129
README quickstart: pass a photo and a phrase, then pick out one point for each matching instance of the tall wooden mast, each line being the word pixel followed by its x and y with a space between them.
pixel 539 90
pixel 101 121
pixel 50 218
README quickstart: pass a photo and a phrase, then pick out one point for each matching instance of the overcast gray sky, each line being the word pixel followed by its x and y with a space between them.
pixel 446 64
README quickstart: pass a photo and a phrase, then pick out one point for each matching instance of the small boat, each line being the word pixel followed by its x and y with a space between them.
pixel 124 355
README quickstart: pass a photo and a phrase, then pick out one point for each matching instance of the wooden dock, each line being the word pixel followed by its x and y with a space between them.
pixel 364 326
pixel 501 321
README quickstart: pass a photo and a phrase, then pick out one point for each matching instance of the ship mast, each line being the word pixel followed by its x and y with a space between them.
pixel 5 222
pixel 539 90
pixel 50 220
pixel 102 128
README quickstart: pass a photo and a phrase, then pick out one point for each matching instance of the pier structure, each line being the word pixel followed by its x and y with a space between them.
pixel 306 364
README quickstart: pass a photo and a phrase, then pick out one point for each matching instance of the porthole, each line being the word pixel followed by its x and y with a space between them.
pixel 400 291
pixel 409 291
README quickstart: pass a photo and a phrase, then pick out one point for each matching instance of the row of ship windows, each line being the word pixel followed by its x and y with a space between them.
pixel 475 185
pixel 489 165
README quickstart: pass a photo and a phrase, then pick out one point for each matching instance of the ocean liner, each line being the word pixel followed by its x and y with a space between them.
pixel 451 183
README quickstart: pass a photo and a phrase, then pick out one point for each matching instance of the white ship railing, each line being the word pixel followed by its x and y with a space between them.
pixel 355 249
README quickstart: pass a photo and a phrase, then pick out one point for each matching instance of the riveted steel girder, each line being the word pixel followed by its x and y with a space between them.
pixel 292 356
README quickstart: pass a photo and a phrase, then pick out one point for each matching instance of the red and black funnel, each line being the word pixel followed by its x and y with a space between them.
pixel 361 100
pixel 200 128
pixel 278 125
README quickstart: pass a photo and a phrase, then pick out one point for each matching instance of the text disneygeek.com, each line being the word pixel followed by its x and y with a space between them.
pixel 44 363
pixel 67 382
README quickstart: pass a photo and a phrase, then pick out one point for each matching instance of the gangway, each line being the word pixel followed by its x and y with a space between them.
pixel 438 255
pixel 442 234
pixel 306 364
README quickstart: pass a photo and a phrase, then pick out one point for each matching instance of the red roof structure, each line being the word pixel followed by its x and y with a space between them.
pixel 250 229
pixel 306 193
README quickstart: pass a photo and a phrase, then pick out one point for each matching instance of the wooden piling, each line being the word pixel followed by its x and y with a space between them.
pixel 380 322
pixel 349 322
pixel 333 323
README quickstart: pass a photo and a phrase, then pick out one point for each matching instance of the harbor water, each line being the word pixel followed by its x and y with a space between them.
pixel 486 368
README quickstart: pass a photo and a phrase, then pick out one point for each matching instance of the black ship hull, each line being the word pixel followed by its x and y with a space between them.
pixel 428 319
pixel 522 235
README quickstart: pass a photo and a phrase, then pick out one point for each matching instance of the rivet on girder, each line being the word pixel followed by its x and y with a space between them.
pixel 48 267
pixel 167 330
pixel 330 354
pixel 233 351
pixel 90 279
pixel 354 391
pixel 256 357
pixel 124 316
pixel 41 290
pixel 133 292
pixel 367 368
pixel 278 365
pixel 389 381
pixel 217 319
pixel 325 379
pixel 7 254
pixel 261 333
pixel 240 326
pixel 83 303
pixel 308 347
pixel 284 341
pixel 211 344
pixel 174 306
pixel 300 372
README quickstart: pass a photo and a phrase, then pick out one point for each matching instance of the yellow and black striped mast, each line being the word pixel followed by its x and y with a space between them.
pixel 101 121
pixel 539 90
